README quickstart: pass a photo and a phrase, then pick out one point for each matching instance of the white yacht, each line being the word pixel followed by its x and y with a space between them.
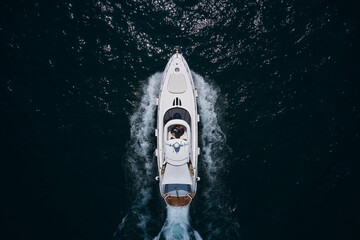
pixel 177 134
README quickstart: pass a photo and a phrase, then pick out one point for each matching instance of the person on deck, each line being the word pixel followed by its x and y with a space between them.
pixel 177 131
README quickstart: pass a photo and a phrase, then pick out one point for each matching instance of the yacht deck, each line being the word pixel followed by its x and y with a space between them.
pixel 180 201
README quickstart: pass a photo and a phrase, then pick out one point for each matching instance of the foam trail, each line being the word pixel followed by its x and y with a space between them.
pixel 139 158
pixel 177 225
pixel 212 138
pixel 121 225
pixel 216 213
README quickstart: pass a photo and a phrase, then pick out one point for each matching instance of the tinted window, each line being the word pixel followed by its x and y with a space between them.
pixel 177 113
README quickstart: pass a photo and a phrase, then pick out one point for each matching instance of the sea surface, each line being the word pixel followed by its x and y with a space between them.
pixel 278 84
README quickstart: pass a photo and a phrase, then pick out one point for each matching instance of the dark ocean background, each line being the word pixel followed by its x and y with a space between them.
pixel 284 81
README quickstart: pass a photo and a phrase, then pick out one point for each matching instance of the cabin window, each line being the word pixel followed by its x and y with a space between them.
pixel 178 189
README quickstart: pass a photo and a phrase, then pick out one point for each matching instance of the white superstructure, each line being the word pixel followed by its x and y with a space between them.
pixel 177 134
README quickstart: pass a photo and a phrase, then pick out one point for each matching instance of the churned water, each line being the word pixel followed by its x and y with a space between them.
pixel 278 85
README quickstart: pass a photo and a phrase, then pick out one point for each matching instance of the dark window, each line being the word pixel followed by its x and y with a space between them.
pixel 177 113
pixel 171 188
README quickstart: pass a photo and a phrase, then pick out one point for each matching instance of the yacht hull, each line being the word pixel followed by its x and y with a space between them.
pixel 177 134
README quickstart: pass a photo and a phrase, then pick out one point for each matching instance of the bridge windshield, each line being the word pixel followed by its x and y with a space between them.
pixel 177 113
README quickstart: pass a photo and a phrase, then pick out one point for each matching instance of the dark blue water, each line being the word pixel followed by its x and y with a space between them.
pixel 278 83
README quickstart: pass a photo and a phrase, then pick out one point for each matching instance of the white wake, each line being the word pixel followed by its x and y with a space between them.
pixel 213 139
pixel 141 159
pixel 140 164
pixel 215 211
pixel 177 225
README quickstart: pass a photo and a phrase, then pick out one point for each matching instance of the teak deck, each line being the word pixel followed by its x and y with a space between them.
pixel 178 201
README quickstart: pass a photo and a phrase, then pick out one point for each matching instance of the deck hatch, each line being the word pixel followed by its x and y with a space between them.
pixel 177 83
